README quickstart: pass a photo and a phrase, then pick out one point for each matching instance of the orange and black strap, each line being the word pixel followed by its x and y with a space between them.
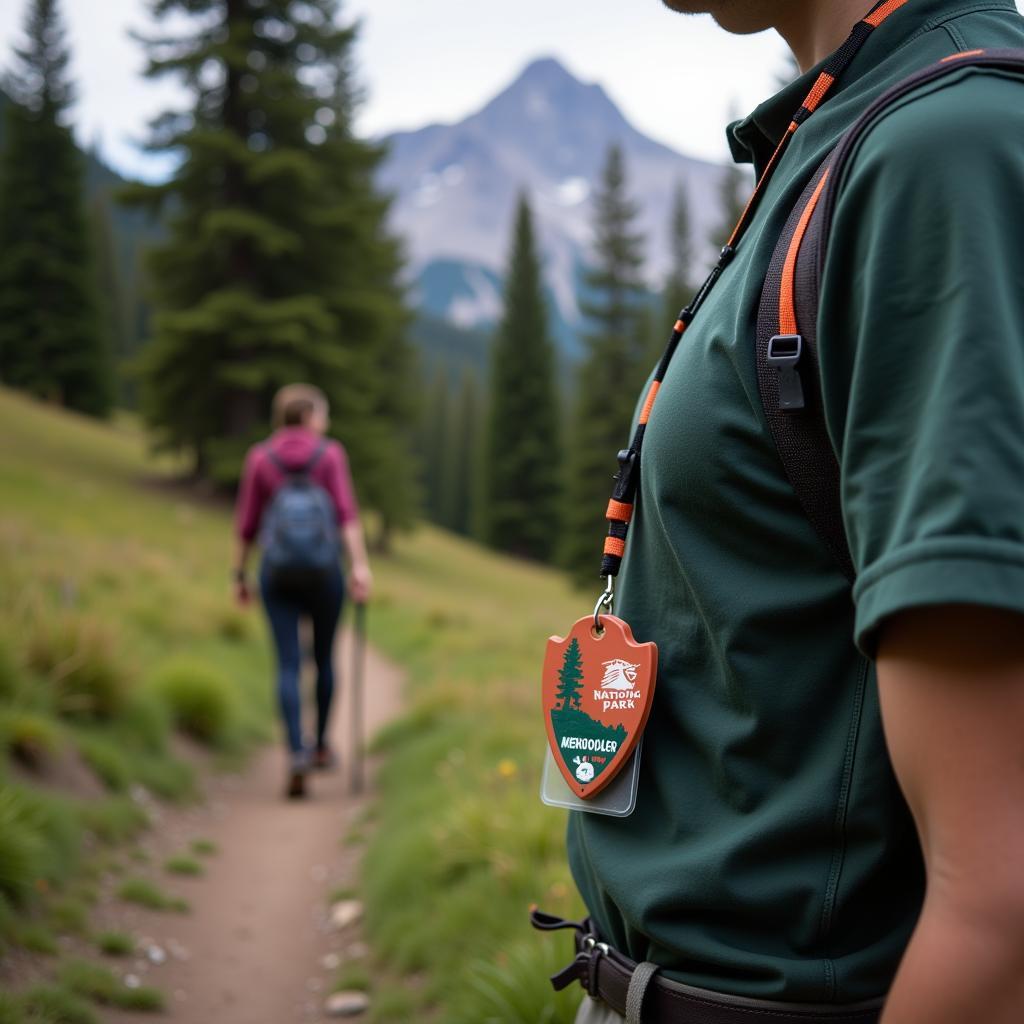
pixel 620 509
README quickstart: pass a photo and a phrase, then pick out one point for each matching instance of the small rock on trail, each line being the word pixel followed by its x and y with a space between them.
pixel 345 913
pixel 347 1004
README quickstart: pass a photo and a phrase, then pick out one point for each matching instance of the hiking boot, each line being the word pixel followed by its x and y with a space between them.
pixel 298 769
pixel 324 759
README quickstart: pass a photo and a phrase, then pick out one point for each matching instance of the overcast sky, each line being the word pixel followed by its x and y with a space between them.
pixel 676 78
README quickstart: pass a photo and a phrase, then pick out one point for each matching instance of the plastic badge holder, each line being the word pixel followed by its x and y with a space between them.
pixel 617 799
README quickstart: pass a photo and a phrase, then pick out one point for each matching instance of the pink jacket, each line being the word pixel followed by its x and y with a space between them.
pixel 294 446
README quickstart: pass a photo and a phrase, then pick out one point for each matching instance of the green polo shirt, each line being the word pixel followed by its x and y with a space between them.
pixel 771 853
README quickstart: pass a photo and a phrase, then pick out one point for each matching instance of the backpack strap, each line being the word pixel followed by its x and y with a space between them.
pixel 787 321
pixel 305 469
pixel 787 370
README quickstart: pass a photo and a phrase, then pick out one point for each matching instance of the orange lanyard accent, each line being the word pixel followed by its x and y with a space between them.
pixel 620 508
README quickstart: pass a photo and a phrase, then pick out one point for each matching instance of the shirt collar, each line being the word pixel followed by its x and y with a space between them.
pixel 754 138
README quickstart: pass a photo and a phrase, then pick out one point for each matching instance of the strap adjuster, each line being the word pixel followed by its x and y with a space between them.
pixel 784 354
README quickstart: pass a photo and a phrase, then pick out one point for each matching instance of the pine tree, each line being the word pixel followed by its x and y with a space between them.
pixel 734 191
pixel 465 453
pixel 278 266
pixel 570 677
pixel 114 306
pixel 50 339
pixel 679 286
pixel 434 435
pixel 522 461
pixel 612 371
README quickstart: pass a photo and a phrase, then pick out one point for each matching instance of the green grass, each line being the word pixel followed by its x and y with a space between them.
pixel 113 821
pixel 101 985
pixel 114 943
pixel 181 864
pixel 202 700
pixel 352 978
pixel 203 847
pixel 36 938
pixel 458 812
pixel 51 1004
pixel 145 893
pixel 108 571
pixel 68 915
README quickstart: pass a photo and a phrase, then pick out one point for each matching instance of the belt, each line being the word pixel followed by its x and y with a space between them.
pixel 642 996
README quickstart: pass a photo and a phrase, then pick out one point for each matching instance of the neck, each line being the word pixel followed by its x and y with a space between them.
pixel 814 28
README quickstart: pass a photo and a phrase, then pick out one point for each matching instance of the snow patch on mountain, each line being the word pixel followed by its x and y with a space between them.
pixel 455 187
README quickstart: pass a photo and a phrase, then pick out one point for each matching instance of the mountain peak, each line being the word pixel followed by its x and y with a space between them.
pixel 545 71
pixel 546 95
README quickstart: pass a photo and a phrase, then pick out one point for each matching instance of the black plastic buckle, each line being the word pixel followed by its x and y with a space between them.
pixel 784 353
pixel 625 482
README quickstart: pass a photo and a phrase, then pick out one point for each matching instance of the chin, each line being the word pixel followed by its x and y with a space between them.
pixel 739 16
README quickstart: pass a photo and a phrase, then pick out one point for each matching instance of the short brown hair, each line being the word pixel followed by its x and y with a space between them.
pixel 295 403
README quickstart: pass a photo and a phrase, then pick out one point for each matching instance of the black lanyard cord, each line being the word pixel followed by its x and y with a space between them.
pixel 620 508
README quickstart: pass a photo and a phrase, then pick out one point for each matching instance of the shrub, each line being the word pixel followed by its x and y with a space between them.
pixel 38 841
pixel 202 701
pixel 146 721
pixel 77 656
pixel 28 736
pixel 232 625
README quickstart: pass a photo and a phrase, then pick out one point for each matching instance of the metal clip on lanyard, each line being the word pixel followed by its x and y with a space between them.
pixel 620 508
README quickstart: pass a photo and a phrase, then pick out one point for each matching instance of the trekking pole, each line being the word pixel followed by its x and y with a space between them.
pixel 358 667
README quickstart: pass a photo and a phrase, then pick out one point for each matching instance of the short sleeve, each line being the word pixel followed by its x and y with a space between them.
pixel 921 338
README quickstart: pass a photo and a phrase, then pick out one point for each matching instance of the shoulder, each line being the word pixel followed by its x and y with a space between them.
pixel 958 130
pixel 334 452
pixel 256 456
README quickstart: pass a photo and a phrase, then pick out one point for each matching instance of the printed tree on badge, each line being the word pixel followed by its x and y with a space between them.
pixel 570 677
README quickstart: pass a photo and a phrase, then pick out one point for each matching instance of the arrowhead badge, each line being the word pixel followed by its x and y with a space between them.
pixel 597 694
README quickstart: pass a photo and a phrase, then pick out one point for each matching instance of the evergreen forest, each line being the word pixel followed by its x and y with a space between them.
pixel 267 257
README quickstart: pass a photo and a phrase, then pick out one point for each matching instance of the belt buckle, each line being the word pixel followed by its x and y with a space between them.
pixel 593 951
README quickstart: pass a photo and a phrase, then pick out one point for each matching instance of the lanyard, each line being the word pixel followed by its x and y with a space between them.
pixel 620 508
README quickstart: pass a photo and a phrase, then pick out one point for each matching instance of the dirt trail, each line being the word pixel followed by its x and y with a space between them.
pixel 257 947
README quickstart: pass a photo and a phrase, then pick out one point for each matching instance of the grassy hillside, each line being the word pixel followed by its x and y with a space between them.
pixel 116 624
pixel 116 633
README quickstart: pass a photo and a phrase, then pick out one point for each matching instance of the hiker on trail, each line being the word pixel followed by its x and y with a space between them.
pixel 824 506
pixel 296 496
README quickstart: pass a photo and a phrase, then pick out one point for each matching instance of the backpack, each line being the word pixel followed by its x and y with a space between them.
pixel 299 536
pixel 787 356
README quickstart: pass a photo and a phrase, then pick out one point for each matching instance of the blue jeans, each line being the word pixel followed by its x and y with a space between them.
pixel 322 603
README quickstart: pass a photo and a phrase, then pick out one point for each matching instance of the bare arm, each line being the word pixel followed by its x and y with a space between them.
pixel 951 683
pixel 360 577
